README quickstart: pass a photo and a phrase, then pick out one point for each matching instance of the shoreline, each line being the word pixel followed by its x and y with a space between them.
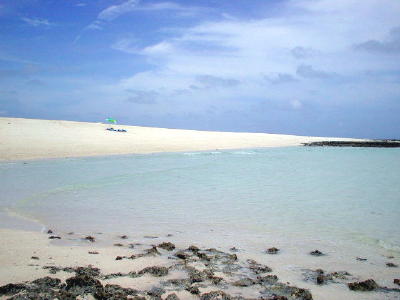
pixel 32 139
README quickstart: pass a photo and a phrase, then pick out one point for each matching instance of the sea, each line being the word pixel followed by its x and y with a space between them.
pixel 343 201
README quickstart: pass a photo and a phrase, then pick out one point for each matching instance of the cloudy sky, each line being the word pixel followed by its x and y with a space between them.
pixel 310 67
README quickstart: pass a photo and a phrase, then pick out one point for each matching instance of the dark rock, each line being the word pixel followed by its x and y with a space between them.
pixel 155 271
pixel 193 290
pixel 119 257
pixel 156 291
pixel 47 282
pixel 114 292
pixel 234 249
pixel 11 288
pixel 361 259
pixel 316 253
pixel 370 143
pixel 151 252
pixel 113 275
pixel 150 237
pixel 118 245
pixel 320 279
pixel 193 249
pixel 34 257
pixel 124 237
pixel 244 282
pixel 396 281
pixel 181 255
pixel 54 269
pixel 49 231
pixel 391 265
pixel 166 246
pixel 89 271
pixel 54 237
pixel 195 275
pixel 258 268
pixel 367 285
pixel 172 297
pixel 83 284
pixel 216 279
pixel 291 292
pixel 272 250
pixel 93 252
pixel 215 295
pixel 90 238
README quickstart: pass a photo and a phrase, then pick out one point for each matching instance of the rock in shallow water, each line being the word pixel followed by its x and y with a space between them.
pixel 316 253
pixel 364 286
pixel 166 246
pixel 272 250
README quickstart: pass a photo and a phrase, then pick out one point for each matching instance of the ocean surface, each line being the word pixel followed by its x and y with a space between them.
pixel 281 196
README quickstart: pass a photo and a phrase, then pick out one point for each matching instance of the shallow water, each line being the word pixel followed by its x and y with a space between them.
pixel 336 194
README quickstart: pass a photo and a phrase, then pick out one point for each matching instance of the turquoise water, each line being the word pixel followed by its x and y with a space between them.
pixel 335 194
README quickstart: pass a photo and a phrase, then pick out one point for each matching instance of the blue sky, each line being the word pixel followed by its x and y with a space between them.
pixel 309 67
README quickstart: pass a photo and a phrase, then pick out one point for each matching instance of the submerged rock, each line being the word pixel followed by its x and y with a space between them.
pixel 361 259
pixel 396 281
pixel 54 237
pixel 90 238
pixel 272 250
pixel 319 277
pixel 391 265
pixel 151 252
pixel 316 253
pixel 367 285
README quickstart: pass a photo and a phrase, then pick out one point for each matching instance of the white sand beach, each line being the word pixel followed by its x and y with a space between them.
pixel 36 139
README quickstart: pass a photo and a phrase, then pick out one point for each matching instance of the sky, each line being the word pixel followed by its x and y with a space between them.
pixel 306 67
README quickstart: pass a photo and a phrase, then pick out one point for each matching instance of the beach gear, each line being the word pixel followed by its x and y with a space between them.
pixel 110 120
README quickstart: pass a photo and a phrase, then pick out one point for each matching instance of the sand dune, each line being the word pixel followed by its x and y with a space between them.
pixel 36 139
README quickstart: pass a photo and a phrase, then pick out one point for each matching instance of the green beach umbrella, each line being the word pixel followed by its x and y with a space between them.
pixel 110 120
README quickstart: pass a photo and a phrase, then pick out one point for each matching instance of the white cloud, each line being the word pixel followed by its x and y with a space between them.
pixel 245 50
pixel 114 11
pixel 35 22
